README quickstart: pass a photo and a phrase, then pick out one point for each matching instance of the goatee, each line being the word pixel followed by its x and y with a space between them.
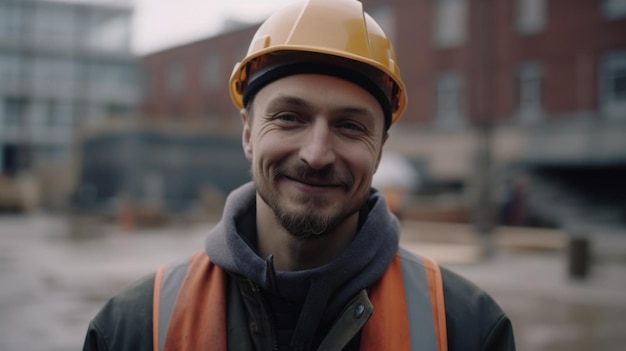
pixel 304 223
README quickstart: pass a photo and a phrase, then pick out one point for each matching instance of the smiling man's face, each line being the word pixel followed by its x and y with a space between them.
pixel 314 142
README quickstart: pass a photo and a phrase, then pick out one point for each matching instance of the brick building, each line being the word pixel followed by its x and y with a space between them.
pixel 496 88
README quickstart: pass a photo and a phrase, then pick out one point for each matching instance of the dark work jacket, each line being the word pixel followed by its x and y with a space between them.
pixel 474 321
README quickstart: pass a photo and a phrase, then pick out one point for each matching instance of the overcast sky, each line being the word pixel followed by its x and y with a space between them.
pixel 159 24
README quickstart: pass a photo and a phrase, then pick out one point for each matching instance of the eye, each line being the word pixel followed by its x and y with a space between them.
pixel 351 126
pixel 287 117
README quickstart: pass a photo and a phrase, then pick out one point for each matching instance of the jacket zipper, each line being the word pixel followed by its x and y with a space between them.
pixel 255 288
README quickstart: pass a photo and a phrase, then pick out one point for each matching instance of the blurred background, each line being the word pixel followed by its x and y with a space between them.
pixel 119 144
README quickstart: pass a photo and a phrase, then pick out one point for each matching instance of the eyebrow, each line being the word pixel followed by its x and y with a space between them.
pixel 288 100
pixel 302 103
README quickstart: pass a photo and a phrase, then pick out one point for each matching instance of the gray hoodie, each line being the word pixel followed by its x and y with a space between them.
pixel 322 291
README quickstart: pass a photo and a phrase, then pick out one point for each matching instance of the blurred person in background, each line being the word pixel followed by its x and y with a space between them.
pixel 307 257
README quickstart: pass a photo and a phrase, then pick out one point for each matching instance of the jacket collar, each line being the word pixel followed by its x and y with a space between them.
pixel 231 244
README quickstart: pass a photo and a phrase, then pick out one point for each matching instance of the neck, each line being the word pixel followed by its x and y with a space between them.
pixel 295 254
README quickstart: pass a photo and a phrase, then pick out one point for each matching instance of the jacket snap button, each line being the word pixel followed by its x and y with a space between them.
pixel 358 311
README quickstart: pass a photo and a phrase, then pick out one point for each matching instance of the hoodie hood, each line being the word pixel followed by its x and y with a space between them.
pixel 331 285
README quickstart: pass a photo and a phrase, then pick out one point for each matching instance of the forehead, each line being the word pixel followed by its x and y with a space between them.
pixel 319 91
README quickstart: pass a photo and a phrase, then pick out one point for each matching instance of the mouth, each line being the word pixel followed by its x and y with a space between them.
pixel 314 182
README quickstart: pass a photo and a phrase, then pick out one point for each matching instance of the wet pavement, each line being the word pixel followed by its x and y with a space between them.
pixel 54 283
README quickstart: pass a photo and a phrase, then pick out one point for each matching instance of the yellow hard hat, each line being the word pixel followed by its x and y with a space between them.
pixel 333 37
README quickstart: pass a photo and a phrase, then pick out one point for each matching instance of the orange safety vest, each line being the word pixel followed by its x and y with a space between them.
pixel 408 301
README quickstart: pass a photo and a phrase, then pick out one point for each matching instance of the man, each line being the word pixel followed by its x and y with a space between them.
pixel 306 257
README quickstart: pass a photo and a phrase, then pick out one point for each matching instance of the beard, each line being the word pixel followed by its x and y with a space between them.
pixel 308 222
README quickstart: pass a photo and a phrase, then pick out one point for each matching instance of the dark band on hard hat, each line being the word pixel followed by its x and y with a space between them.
pixel 282 71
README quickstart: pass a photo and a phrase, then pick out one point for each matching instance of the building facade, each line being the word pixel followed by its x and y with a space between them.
pixel 494 86
pixel 63 66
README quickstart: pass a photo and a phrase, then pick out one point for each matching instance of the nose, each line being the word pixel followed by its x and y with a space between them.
pixel 317 148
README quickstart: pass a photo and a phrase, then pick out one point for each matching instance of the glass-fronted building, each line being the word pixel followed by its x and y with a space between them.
pixel 63 65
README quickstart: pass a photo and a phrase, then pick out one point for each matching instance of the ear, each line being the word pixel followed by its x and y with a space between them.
pixel 246 134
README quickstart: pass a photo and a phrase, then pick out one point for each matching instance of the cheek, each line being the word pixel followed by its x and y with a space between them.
pixel 363 166
pixel 269 151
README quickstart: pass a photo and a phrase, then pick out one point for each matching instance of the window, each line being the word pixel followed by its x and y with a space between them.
pixel 212 72
pixel 613 85
pixel 529 78
pixel 63 26
pixel 449 100
pixel 45 117
pixel 43 70
pixel 46 72
pixel 11 68
pixel 13 158
pixel 384 16
pixel 53 22
pixel 531 16
pixel 11 18
pixel 108 77
pixel 39 116
pixel 14 111
pixel 175 78
pixel 42 23
pixel 61 115
pixel 612 9
pixel 450 22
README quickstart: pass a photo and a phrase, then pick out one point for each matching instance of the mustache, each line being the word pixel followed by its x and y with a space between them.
pixel 306 174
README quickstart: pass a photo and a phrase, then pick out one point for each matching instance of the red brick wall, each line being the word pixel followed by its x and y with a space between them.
pixel 569 49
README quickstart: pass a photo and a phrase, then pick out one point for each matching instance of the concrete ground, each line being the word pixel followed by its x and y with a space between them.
pixel 529 276
pixel 54 279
